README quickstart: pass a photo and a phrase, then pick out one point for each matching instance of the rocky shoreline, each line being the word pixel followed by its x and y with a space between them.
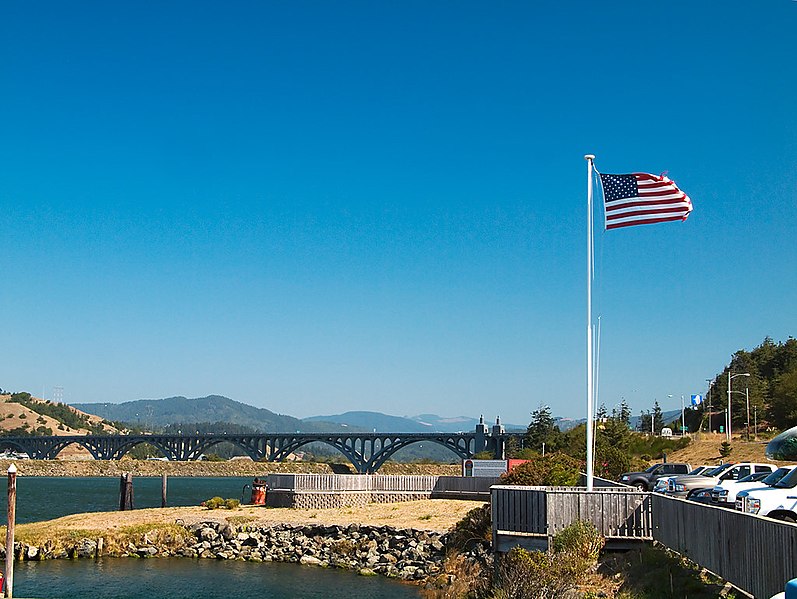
pixel 406 554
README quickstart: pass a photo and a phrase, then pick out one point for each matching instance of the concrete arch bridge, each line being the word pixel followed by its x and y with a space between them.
pixel 366 451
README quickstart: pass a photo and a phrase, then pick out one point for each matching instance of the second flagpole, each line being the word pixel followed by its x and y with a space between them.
pixel 590 394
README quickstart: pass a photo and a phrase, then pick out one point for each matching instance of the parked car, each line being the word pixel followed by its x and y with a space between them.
pixel 778 501
pixel 725 493
pixel 644 481
pixel 661 483
pixel 680 486
pixel 712 495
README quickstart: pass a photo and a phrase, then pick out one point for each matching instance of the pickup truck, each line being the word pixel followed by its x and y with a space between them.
pixel 778 501
pixel 644 481
pixel 682 486
pixel 725 493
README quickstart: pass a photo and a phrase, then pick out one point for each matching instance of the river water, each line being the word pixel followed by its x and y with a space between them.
pixel 44 498
pixel 173 578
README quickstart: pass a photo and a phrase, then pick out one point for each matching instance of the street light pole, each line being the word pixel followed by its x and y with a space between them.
pixel 683 421
pixel 747 401
pixel 755 420
pixel 708 396
pixel 729 418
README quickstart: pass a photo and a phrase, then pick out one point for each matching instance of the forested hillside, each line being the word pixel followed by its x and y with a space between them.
pixel 772 387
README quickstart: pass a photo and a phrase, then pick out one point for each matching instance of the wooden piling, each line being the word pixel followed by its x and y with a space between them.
pixel 163 490
pixel 12 516
pixel 126 492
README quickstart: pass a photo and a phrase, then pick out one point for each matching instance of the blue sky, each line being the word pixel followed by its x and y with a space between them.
pixel 319 207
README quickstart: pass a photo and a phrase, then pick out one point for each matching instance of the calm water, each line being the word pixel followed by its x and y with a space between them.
pixel 44 498
pixel 109 578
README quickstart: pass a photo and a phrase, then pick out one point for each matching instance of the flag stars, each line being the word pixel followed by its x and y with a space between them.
pixel 617 187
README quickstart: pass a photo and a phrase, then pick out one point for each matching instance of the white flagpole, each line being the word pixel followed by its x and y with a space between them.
pixel 590 366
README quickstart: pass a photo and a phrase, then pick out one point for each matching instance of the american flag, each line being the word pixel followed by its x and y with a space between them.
pixel 642 199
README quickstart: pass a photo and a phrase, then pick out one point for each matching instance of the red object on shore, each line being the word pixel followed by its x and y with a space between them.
pixel 2 583
pixel 259 489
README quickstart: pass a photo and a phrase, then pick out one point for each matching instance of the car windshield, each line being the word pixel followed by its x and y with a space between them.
pixel 652 468
pixel 776 476
pixel 787 482
pixel 754 477
pixel 718 470
pixel 698 470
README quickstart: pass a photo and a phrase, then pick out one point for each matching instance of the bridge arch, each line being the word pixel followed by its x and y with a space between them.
pixel 460 446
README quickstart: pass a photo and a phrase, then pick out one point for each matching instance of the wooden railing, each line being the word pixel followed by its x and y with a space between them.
pixel 621 514
pixel 755 554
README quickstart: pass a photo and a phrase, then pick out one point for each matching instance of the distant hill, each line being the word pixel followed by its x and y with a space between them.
pixel 369 421
pixel 153 413
pixel 23 414
pixel 460 423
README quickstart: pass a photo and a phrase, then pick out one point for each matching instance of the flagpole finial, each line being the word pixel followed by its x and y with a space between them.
pixel 589 156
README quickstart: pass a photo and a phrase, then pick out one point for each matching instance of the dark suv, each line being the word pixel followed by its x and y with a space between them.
pixel 645 481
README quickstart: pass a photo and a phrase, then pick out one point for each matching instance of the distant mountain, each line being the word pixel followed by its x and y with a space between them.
pixel 369 421
pixel 429 423
pixel 152 413
pixel 459 423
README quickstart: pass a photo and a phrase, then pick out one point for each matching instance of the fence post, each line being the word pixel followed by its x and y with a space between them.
pixel 12 515
pixel 126 492
pixel 163 490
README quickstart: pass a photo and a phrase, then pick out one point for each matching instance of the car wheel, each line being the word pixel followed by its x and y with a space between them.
pixel 640 486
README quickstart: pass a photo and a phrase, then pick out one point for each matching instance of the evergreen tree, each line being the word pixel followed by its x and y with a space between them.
pixel 542 429
pixel 658 420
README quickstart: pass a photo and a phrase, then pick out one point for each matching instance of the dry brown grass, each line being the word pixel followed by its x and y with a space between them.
pixel 704 449
pixel 431 514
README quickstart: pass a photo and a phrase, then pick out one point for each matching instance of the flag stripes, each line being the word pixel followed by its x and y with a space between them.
pixel 641 199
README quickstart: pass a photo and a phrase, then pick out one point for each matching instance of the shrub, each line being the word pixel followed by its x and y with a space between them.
pixel 725 449
pixel 525 574
pixel 581 540
pixel 475 527
pixel 612 462
pixel 213 503
pixel 554 469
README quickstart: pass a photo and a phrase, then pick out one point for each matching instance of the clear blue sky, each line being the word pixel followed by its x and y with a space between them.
pixel 316 207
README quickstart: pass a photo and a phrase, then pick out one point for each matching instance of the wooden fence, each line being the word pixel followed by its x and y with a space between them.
pixel 755 554
pixel 335 490
pixel 530 516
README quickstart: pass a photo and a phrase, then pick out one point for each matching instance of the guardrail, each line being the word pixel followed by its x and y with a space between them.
pixel 753 553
